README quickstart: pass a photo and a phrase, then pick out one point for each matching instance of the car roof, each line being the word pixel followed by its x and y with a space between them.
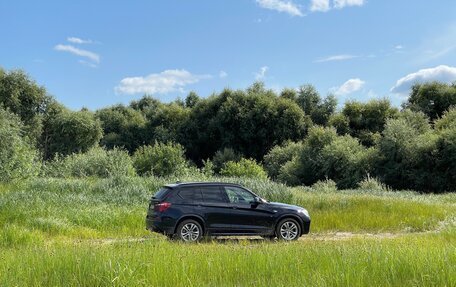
pixel 198 183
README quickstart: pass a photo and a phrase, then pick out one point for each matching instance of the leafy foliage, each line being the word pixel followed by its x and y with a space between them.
pixel 18 158
pixel 433 98
pixel 279 155
pixel 73 132
pixel 96 162
pixel 244 168
pixel 161 159
pixel 223 156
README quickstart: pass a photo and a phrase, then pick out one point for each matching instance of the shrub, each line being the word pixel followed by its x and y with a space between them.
pixel 279 155
pixel 223 156
pixel 244 168
pixel 97 162
pixel 72 132
pixel 371 183
pixel 18 158
pixel 447 121
pixel 208 167
pixel 161 159
pixel 326 185
pixel 346 161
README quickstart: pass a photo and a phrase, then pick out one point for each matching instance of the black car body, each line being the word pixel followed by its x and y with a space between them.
pixel 220 209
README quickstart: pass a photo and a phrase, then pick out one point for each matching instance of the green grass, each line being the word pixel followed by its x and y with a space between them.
pixel 90 232
pixel 408 261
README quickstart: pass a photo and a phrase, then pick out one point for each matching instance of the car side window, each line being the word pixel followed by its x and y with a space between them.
pixel 212 194
pixel 238 195
pixel 190 194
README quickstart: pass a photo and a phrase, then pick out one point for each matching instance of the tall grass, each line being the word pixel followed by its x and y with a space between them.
pixel 88 208
pixel 408 261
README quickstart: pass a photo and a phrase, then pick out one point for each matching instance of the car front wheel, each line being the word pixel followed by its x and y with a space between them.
pixel 189 231
pixel 288 229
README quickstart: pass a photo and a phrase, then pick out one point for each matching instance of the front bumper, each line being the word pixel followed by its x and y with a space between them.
pixel 306 227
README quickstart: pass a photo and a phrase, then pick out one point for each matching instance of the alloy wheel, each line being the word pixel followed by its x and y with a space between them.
pixel 190 232
pixel 289 230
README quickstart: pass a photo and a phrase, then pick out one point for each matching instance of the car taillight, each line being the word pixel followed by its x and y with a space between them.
pixel 161 207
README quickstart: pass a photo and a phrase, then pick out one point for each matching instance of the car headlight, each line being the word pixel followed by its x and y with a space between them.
pixel 304 211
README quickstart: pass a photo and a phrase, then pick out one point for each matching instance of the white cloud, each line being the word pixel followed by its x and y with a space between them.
pixel 339 4
pixel 399 47
pixel 440 73
pixel 76 40
pixel 261 73
pixel 320 6
pixel 87 63
pixel 349 87
pixel 281 6
pixel 223 74
pixel 336 58
pixel 165 82
pixel 79 52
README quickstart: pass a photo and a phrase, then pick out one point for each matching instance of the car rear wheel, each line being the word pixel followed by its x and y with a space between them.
pixel 288 229
pixel 189 231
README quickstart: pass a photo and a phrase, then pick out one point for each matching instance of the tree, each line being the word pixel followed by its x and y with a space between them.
pixel 279 155
pixel 72 132
pixel 18 158
pixel 312 104
pixel 307 167
pixel 432 98
pixel 122 127
pixel 346 161
pixel 367 120
pixel 191 100
pixel 22 96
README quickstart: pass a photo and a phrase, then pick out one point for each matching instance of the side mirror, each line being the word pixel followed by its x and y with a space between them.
pixel 256 201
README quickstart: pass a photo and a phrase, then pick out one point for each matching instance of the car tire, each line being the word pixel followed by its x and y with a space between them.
pixel 288 229
pixel 189 231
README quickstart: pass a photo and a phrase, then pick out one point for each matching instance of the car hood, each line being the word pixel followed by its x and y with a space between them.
pixel 284 205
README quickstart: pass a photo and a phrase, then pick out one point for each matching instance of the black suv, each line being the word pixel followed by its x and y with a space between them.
pixel 191 210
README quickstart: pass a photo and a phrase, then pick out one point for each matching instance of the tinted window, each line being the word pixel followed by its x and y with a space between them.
pixel 161 193
pixel 238 195
pixel 212 194
pixel 190 194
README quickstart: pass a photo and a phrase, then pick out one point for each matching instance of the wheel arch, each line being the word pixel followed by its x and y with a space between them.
pixel 292 216
pixel 195 217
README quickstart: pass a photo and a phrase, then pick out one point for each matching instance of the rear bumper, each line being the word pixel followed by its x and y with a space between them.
pixel 159 225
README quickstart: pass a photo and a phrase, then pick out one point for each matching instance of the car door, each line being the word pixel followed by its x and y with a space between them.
pixel 215 209
pixel 247 217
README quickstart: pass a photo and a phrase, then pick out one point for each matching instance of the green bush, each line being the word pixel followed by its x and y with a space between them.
pixel 346 161
pixel 447 121
pixel 371 183
pixel 97 162
pixel 279 155
pixel 244 168
pixel 223 156
pixel 161 159
pixel 306 168
pixel 18 158
pixel 70 132
pixel 327 185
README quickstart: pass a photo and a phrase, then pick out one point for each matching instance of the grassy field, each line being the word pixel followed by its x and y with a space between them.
pixel 90 232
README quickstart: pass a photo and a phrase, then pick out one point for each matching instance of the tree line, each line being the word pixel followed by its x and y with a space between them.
pixel 296 136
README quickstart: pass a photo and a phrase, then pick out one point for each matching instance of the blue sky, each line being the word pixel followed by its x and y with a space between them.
pixel 99 53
